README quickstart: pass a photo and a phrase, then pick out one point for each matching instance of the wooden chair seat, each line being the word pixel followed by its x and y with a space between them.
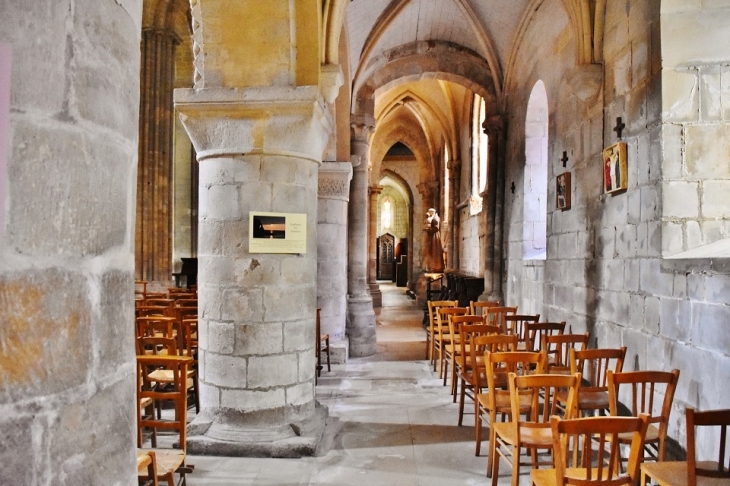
pixel 549 477
pixel 536 438
pixel 168 461
pixel 146 466
pixel 675 473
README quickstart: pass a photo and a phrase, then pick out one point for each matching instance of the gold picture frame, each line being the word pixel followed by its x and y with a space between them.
pixel 615 169
pixel 562 191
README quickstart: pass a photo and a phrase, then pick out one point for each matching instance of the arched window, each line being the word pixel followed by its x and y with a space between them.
pixel 534 209
pixel 386 214
pixel 479 154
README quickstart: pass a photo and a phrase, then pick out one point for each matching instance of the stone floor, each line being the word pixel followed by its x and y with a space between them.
pixel 391 422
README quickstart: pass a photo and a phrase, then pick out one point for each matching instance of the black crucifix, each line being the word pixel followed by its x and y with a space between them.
pixel 564 160
pixel 620 125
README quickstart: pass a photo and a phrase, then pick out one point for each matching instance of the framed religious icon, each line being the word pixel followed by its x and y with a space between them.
pixel 615 170
pixel 562 191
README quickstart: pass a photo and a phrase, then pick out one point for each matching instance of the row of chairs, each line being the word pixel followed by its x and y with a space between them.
pixel 484 347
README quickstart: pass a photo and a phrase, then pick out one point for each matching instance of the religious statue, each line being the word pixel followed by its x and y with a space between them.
pixel 433 252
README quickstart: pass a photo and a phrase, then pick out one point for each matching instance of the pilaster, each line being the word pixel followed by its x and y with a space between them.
pixel 333 197
pixel 373 194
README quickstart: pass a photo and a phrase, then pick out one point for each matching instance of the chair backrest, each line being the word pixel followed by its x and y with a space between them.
pixel 515 324
pixel 189 341
pixel 594 364
pixel 589 447
pixel 442 317
pixel 495 315
pixel 186 303
pixel 557 350
pixel 719 419
pixel 469 332
pixel 174 390
pixel 477 308
pixel 457 322
pixel 500 364
pixel 433 306
pixel 644 389
pixel 536 330
pixel 542 388
pixel 155 326
pixel 157 346
pixel 152 310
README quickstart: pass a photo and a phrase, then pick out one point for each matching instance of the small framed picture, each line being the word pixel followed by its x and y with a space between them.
pixel 615 170
pixel 562 191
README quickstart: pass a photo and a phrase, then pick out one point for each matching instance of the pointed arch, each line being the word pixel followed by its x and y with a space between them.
pixel 535 191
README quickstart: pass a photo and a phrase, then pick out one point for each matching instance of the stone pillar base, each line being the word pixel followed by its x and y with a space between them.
pixel 376 295
pixel 491 297
pixel 339 351
pixel 215 438
pixel 361 326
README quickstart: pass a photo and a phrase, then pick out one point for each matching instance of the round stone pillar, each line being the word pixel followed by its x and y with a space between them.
pixel 334 194
pixel 360 313
pixel 259 150
pixel 494 127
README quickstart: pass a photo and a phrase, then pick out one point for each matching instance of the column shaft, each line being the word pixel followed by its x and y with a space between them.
pixel 375 293
pixel 360 313
pixel 153 236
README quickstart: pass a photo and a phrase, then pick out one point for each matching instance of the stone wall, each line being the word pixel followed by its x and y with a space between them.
pixel 67 381
pixel 604 271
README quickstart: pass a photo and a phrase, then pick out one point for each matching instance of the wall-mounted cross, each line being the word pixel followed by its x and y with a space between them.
pixel 512 188
pixel 564 160
pixel 620 125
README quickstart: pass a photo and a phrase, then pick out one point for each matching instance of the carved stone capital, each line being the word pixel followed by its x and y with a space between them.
pixel 374 191
pixel 271 120
pixel 334 180
pixel 361 127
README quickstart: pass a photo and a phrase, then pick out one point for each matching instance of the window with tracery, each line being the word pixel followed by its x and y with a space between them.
pixel 386 214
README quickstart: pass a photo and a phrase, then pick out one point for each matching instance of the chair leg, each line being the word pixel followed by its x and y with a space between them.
pixel 462 395
pixel 478 430
pixel 328 355
pixel 515 466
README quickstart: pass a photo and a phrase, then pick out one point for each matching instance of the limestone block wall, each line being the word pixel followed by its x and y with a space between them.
pixel 696 117
pixel 470 249
pixel 67 381
pixel 604 271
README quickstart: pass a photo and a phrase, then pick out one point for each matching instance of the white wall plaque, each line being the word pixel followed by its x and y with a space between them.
pixel 277 232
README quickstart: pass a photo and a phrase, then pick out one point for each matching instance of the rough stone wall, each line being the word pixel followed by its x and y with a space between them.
pixel 604 272
pixel 66 254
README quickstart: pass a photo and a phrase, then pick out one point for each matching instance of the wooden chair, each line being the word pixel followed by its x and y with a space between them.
pixel 488 403
pixel 150 387
pixel 151 310
pixel 515 324
pixel 479 308
pixel 557 350
pixel 535 331
pixel 586 452
pixel 499 364
pixel 693 472
pixel 495 316
pixel 470 362
pixel 535 432
pixel 189 347
pixel 442 336
pixel 161 326
pixel 593 365
pixel 433 306
pixel 146 466
pixel 643 389
pixel 454 350
pixel 322 345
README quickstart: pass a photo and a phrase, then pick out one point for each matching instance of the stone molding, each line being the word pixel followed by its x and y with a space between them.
pixel 330 80
pixel 334 180
pixel 271 120
pixel 197 37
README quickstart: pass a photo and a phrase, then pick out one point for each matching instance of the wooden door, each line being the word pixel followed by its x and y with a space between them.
pixel 386 254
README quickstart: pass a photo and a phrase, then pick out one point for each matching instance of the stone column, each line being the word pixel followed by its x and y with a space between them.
pixel 334 194
pixel 454 179
pixel 360 313
pixel 375 293
pixel 259 149
pixel 153 236
pixel 494 128
pixel 69 101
